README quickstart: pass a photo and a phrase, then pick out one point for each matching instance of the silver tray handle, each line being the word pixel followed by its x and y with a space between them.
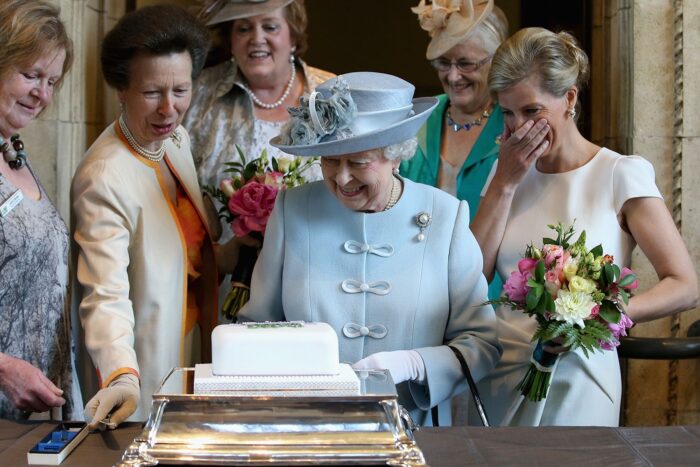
pixel 407 421
pixel 136 455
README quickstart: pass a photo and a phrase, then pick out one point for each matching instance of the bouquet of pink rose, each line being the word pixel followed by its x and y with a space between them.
pixel 575 295
pixel 248 196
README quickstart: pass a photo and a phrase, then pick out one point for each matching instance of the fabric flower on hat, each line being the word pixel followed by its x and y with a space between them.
pixel 334 114
pixel 433 17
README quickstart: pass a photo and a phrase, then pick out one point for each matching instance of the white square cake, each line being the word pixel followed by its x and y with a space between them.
pixel 269 349
pixel 294 359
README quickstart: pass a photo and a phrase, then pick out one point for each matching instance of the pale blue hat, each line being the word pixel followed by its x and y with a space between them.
pixel 352 113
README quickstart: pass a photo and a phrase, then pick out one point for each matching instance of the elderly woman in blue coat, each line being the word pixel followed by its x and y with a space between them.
pixel 390 264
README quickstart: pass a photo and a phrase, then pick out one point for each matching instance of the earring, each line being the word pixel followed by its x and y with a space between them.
pixel 395 171
pixel 291 55
pixel 571 112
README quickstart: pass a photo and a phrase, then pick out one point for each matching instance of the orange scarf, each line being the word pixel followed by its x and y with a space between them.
pixel 194 232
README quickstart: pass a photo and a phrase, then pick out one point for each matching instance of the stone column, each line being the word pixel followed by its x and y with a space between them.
pixel 665 99
pixel 57 140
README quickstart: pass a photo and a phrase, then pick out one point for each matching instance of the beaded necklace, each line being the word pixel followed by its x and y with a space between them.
pixel 155 156
pixel 13 152
pixel 466 126
pixel 394 195
pixel 279 101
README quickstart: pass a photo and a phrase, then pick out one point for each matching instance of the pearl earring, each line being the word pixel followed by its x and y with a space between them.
pixel 291 55
pixel 571 112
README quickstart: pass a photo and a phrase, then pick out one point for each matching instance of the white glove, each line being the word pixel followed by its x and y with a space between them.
pixel 113 404
pixel 404 365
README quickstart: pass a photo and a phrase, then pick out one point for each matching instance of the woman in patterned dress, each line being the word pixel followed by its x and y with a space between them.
pixel 36 366
pixel 243 101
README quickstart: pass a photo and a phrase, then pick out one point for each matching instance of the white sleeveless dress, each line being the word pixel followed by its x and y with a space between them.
pixel 584 391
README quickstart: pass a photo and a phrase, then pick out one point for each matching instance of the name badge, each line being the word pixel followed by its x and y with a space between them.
pixel 11 203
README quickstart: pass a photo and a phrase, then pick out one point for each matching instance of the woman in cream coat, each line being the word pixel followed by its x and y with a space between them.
pixel 390 264
pixel 146 273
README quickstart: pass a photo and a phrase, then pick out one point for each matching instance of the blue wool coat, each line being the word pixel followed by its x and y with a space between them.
pixel 324 262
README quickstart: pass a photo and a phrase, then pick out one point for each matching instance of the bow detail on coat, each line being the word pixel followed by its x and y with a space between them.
pixel 353 330
pixel 377 288
pixel 379 249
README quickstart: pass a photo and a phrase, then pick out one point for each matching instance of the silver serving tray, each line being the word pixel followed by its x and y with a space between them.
pixel 183 428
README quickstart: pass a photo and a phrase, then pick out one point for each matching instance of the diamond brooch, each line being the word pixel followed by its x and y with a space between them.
pixel 423 220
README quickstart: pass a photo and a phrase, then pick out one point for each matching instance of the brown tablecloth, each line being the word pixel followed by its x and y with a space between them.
pixel 443 447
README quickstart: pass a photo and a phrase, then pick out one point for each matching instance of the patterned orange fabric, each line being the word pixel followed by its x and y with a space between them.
pixel 195 233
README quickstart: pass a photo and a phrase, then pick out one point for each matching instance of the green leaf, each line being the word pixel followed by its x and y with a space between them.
pixel 533 297
pixel 597 251
pixel 549 241
pixel 241 154
pixel 549 303
pixel 625 296
pixel 609 312
pixel 616 272
pixel 539 271
pixel 627 280
pixel 609 274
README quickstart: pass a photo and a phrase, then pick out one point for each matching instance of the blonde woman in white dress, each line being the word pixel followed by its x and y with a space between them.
pixel 547 172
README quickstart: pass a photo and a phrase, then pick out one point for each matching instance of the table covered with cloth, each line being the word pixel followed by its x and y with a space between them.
pixel 442 447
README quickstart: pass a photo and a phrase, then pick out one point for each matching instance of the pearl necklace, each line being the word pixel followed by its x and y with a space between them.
pixel 394 195
pixel 279 101
pixel 154 156
pixel 13 152
pixel 466 126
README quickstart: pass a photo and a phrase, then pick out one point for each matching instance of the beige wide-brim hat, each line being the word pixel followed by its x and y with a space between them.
pixel 449 22
pixel 220 11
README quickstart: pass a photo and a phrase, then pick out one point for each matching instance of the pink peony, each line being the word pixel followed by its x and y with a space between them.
pixel 527 266
pixel 516 287
pixel 553 254
pixel 618 330
pixel 633 285
pixel 595 310
pixel 251 205
pixel 552 284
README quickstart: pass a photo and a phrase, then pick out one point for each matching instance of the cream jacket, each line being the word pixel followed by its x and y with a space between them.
pixel 131 263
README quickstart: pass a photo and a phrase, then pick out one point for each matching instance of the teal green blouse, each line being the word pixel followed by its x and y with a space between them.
pixel 423 167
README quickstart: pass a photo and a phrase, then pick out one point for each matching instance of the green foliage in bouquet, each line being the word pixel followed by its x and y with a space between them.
pixel 575 295
pixel 247 196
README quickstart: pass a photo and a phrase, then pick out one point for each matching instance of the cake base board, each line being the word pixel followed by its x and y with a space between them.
pixel 345 383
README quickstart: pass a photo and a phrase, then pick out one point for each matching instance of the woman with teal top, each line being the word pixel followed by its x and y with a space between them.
pixel 459 143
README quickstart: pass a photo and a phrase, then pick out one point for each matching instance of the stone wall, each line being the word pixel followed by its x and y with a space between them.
pixel 83 106
pixel 666 126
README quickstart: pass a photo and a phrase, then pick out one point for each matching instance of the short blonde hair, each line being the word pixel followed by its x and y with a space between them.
pixel 28 30
pixel 555 58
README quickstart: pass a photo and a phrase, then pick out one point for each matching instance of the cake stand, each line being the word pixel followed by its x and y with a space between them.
pixel 369 428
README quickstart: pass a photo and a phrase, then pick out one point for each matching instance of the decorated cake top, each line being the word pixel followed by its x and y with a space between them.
pixel 274 325
pixel 275 348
